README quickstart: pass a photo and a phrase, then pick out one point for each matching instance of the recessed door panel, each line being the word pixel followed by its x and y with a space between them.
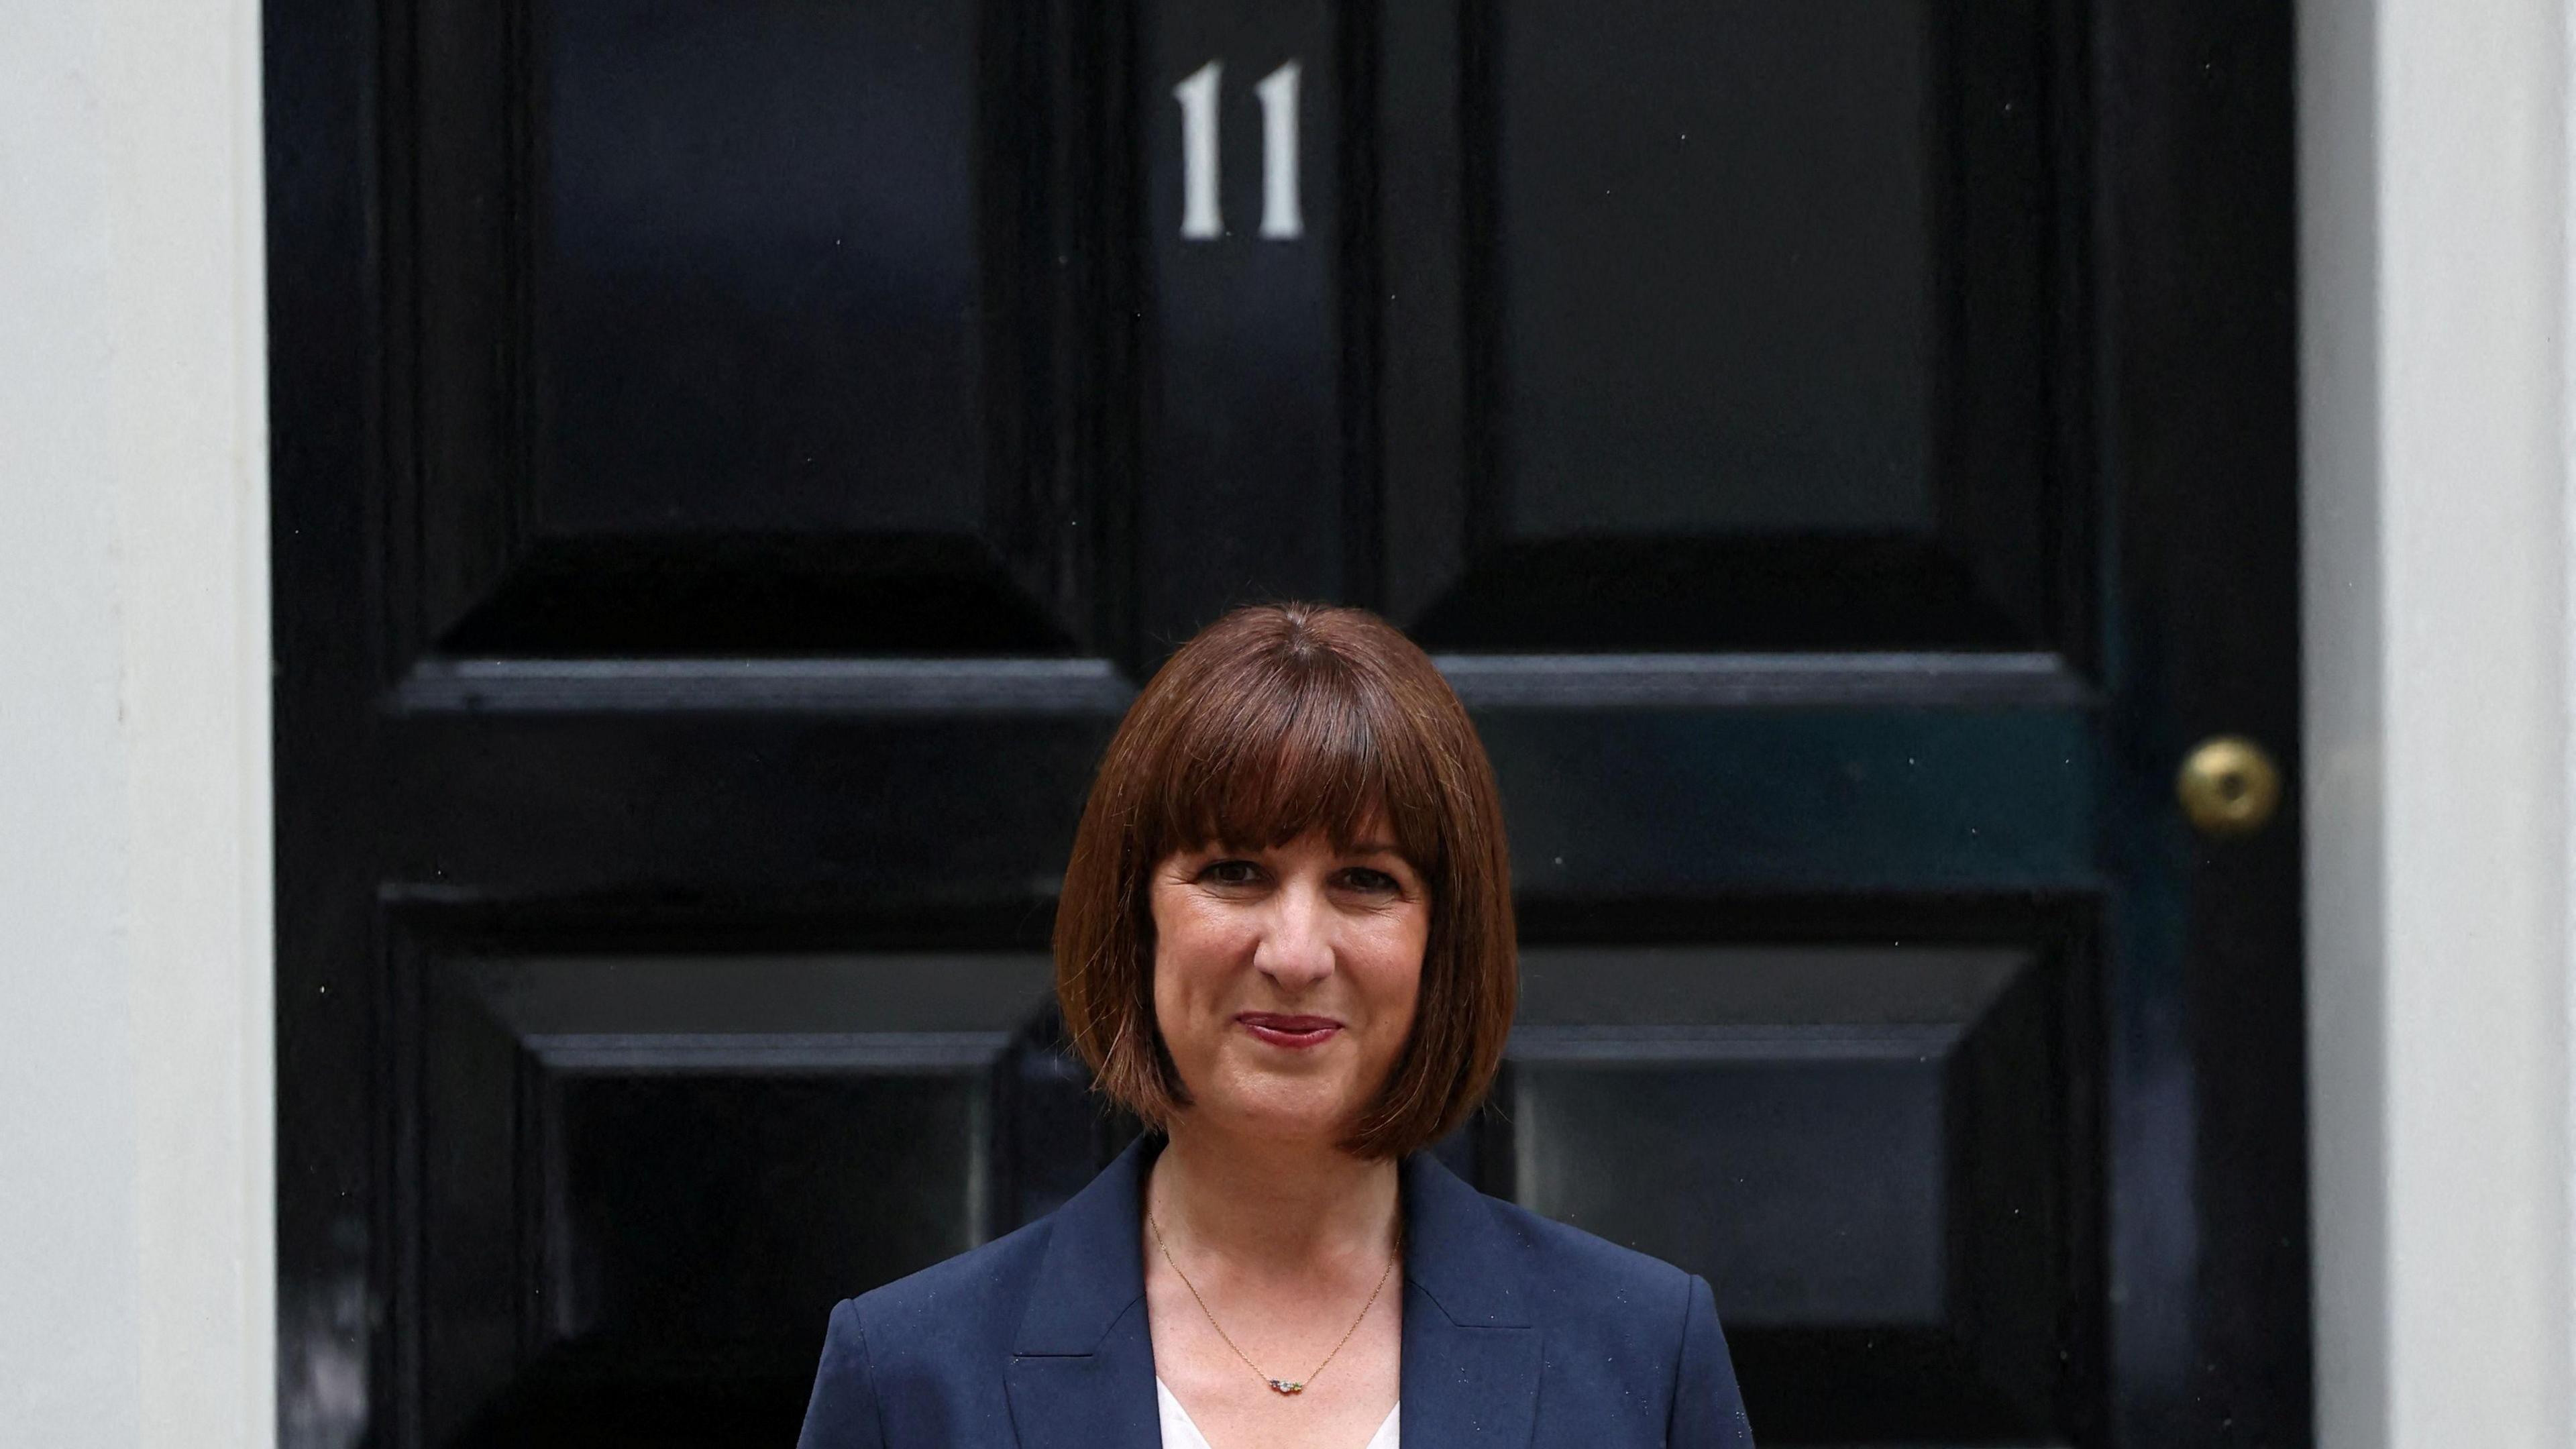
pixel 1715 250
pixel 1747 330
pixel 732 342
pixel 1855 1144
pixel 736 334
pixel 646 1178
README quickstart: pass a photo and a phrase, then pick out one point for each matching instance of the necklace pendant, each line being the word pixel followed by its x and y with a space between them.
pixel 1284 1387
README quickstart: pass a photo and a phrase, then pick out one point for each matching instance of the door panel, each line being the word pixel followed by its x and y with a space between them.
pixel 726 367
pixel 1875 1155
pixel 735 463
pixel 638 1173
pixel 735 339
pixel 1746 330
pixel 1710 230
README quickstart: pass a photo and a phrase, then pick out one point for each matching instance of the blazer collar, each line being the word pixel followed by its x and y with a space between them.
pixel 1093 1274
pixel 1471 1340
pixel 1082 1362
pixel 1457 1249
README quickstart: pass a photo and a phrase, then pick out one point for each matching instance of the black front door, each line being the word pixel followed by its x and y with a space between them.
pixel 736 460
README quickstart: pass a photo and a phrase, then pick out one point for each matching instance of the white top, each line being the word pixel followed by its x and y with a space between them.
pixel 1180 1433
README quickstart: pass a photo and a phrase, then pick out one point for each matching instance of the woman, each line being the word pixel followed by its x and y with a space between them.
pixel 1286 944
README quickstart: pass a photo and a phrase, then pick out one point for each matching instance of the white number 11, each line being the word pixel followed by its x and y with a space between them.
pixel 1281 217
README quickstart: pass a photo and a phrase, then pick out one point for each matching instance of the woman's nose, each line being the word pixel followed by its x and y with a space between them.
pixel 1296 947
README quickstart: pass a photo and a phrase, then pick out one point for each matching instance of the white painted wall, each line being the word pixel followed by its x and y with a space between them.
pixel 136 1213
pixel 2434 174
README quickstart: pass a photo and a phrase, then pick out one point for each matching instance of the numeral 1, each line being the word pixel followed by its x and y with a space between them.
pixel 1279 214
pixel 1197 95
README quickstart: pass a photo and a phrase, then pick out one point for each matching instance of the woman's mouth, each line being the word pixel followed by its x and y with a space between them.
pixel 1293 1032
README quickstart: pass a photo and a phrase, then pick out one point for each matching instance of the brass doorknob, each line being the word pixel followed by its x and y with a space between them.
pixel 2229 786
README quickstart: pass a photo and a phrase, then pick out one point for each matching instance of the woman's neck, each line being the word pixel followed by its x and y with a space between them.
pixel 1263 1203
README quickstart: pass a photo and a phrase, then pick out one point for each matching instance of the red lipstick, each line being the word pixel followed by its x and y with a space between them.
pixel 1296 1033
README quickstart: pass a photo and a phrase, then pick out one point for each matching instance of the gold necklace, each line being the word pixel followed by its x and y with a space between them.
pixel 1282 1387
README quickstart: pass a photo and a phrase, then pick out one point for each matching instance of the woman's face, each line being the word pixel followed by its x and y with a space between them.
pixel 1285 979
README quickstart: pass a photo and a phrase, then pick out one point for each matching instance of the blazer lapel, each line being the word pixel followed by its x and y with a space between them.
pixel 1082 1365
pixel 1471 1338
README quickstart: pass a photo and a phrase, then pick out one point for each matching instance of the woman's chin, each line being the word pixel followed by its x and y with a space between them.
pixel 1278 1112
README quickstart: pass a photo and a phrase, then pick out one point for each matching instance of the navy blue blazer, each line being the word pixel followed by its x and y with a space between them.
pixel 1518 1332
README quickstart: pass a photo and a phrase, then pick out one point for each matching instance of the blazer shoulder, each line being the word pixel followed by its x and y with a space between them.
pixel 1608 1305
pixel 1568 1260
pixel 927 1349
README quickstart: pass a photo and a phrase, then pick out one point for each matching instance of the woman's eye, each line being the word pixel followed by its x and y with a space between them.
pixel 1229 872
pixel 1375 882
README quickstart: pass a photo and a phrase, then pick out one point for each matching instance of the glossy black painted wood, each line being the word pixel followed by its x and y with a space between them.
pixel 1244 482
pixel 1695 340
pixel 734 463
pixel 2191 287
pixel 681 391
pixel 642 1171
pixel 1849 1141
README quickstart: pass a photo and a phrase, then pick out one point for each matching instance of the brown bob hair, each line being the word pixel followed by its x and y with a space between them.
pixel 1275 721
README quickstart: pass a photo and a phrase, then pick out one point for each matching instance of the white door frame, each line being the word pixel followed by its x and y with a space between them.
pixel 2434 270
